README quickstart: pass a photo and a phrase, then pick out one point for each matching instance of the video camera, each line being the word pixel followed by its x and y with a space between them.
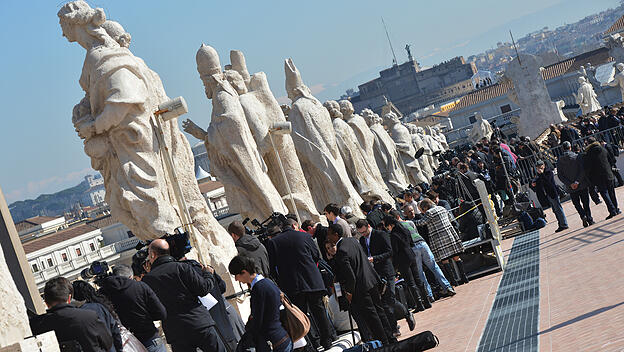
pixel 97 270
pixel 269 227
pixel 179 245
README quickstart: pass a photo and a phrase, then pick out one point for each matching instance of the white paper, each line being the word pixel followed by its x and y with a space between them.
pixel 299 343
pixel 208 301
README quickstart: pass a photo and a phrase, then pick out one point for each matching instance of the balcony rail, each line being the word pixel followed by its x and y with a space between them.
pixel 221 211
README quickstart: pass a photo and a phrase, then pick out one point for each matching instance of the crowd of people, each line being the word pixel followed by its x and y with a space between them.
pixel 397 260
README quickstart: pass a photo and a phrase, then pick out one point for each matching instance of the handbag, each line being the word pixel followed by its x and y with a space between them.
pixel 295 322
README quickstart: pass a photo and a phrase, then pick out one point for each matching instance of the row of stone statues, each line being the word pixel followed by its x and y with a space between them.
pixel 332 155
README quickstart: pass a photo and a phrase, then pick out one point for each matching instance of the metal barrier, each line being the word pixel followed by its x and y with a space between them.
pixel 526 165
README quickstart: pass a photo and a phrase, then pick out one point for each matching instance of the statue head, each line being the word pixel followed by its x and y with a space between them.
pixel 236 80
pixel 582 80
pixel 412 128
pixel 620 67
pixel 391 118
pixel 478 116
pixel 346 108
pixel 368 116
pixel 82 24
pixel 208 66
pixel 294 84
pixel 334 109
pixel 118 33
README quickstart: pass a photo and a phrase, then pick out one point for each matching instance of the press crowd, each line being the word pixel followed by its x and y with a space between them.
pixel 398 260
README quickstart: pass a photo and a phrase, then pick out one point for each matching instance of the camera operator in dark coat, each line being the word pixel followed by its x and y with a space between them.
pixel 69 323
pixel 136 304
pixel 293 258
pixel 250 246
pixel 178 285
pixel 359 283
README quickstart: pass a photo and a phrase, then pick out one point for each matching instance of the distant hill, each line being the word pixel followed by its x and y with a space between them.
pixel 48 204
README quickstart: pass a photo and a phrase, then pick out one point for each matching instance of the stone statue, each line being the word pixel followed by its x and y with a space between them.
pixel 115 120
pixel 351 153
pixel 315 143
pixel 386 156
pixel 586 97
pixel 440 137
pixel 14 326
pixel 234 157
pixel 538 111
pixel 615 43
pixel 403 141
pixel 425 161
pixel 434 146
pixel 263 111
pixel 365 139
pixel 480 129
pixel 618 79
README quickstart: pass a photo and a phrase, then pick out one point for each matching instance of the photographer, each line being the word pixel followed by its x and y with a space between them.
pixel 188 324
pixel 250 246
pixel 137 306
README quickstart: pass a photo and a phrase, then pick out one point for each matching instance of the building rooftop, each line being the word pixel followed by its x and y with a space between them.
pixel 616 27
pixel 102 222
pixel 209 186
pixel 32 222
pixel 595 57
pixel 57 237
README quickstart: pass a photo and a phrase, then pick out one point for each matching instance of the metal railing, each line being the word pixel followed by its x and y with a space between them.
pixel 526 165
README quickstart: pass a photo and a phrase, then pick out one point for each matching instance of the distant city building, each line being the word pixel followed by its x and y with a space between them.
pixel 69 251
pixel 561 79
pixel 201 156
pixel 214 194
pixel 94 196
pixel 410 88
pixel 39 226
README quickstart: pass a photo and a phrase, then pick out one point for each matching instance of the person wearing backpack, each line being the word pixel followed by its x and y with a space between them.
pixel 264 323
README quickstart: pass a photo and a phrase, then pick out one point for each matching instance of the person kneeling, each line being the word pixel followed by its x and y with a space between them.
pixel 264 323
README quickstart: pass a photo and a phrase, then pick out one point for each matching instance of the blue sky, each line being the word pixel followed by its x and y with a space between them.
pixel 335 45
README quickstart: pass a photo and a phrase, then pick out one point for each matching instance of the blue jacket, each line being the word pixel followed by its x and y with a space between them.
pixel 264 323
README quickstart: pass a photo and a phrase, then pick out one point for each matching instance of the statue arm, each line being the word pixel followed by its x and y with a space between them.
pixel 191 128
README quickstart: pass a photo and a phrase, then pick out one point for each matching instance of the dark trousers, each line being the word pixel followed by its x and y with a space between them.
pixel 594 194
pixel 205 339
pixel 580 199
pixel 607 191
pixel 409 272
pixel 312 302
pixel 368 305
pixel 388 302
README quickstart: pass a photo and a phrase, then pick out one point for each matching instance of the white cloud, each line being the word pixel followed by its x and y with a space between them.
pixel 53 184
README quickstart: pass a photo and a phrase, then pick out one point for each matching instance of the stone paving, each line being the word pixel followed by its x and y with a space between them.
pixel 581 291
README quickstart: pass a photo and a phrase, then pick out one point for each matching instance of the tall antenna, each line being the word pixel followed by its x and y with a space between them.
pixel 515 48
pixel 394 60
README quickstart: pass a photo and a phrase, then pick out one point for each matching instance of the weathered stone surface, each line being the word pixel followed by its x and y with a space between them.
pixel 618 80
pixel 263 111
pixel 480 129
pixel 14 325
pixel 586 97
pixel 386 156
pixel 352 154
pixel 424 161
pixel 234 156
pixel 315 143
pixel 115 120
pixel 537 110
pixel 404 144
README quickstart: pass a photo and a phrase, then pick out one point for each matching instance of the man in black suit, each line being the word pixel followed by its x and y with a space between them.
pixel 359 282
pixel 376 245
pixel 293 258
